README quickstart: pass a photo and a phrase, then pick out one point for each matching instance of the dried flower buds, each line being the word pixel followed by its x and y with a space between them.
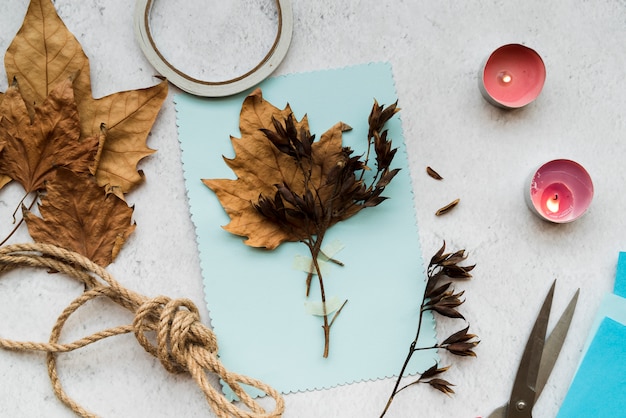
pixel 441 385
pixel 461 343
pixel 444 300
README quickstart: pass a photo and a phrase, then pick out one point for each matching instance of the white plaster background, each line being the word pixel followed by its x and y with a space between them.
pixel 484 153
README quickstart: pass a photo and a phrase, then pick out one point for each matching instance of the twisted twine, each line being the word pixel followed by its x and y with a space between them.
pixel 183 343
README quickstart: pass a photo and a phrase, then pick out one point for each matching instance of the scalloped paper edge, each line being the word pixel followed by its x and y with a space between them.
pixel 273 341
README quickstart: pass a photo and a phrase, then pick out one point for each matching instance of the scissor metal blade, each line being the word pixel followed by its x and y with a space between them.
pixel 551 351
pixel 553 345
pixel 525 384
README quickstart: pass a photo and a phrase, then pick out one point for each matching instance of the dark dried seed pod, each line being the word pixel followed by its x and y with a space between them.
pixel 459 336
pixel 439 256
pixel 433 174
pixel 447 208
pixel 434 293
pixel 448 312
pixel 463 349
pixel 433 371
pixel 441 385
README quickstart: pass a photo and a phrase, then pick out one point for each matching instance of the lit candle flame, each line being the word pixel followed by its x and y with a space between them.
pixel 553 204
pixel 505 77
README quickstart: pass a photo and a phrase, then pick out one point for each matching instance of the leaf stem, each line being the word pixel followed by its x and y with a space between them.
pixel 19 204
pixel 337 313
pixel 17 226
pixel 367 156
pixel 315 250
pixel 412 350
pixel 409 384
pixel 332 260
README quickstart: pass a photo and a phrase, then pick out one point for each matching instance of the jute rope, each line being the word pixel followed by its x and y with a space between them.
pixel 183 343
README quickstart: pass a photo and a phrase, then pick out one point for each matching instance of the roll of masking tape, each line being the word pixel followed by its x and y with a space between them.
pixel 214 88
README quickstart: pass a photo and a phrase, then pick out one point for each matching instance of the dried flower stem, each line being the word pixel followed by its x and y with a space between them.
pixel 315 245
pixel 320 198
pixel 442 299
pixel 412 350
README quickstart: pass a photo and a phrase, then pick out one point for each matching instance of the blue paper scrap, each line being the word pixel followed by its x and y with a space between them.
pixel 599 387
pixel 256 298
pixel 612 306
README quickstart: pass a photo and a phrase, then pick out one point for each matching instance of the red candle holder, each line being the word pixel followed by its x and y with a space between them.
pixel 560 191
pixel 512 77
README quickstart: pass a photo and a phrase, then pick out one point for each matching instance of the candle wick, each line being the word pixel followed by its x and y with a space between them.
pixel 505 77
pixel 556 196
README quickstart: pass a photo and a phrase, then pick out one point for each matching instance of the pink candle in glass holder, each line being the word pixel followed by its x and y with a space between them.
pixel 512 76
pixel 560 191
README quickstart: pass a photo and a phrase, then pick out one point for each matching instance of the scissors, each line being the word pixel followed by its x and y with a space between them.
pixel 537 361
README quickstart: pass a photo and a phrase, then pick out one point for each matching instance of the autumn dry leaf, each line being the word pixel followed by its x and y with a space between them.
pixel 128 117
pixel 34 149
pixel 259 166
pixel 58 141
pixel 78 215
pixel 44 53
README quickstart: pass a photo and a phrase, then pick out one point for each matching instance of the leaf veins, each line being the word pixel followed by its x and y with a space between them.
pixel 35 148
pixel 78 215
pixel 260 166
pixel 43 54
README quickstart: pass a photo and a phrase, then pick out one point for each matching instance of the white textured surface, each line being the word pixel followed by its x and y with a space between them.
pixel 485 155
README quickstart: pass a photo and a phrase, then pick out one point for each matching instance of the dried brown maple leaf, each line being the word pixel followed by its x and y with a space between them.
pixel 43 53
pixel 35 148
pixel 4 179
pixel 78 215
pixel 260 166
pixel 128 117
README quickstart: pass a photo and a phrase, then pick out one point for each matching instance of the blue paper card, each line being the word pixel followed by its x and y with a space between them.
pixel 256 298
pixel 599 387
pixel 612 306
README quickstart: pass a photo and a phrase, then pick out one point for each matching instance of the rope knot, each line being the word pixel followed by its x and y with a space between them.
pixel 183 343
pixel 179 332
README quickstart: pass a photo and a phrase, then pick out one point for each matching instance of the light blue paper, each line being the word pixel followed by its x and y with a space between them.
pixel 612 306
pixel 599 387
pixel 256 298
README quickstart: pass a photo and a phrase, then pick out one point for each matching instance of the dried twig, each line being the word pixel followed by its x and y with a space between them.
pixel 308 208
pixel 442 299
